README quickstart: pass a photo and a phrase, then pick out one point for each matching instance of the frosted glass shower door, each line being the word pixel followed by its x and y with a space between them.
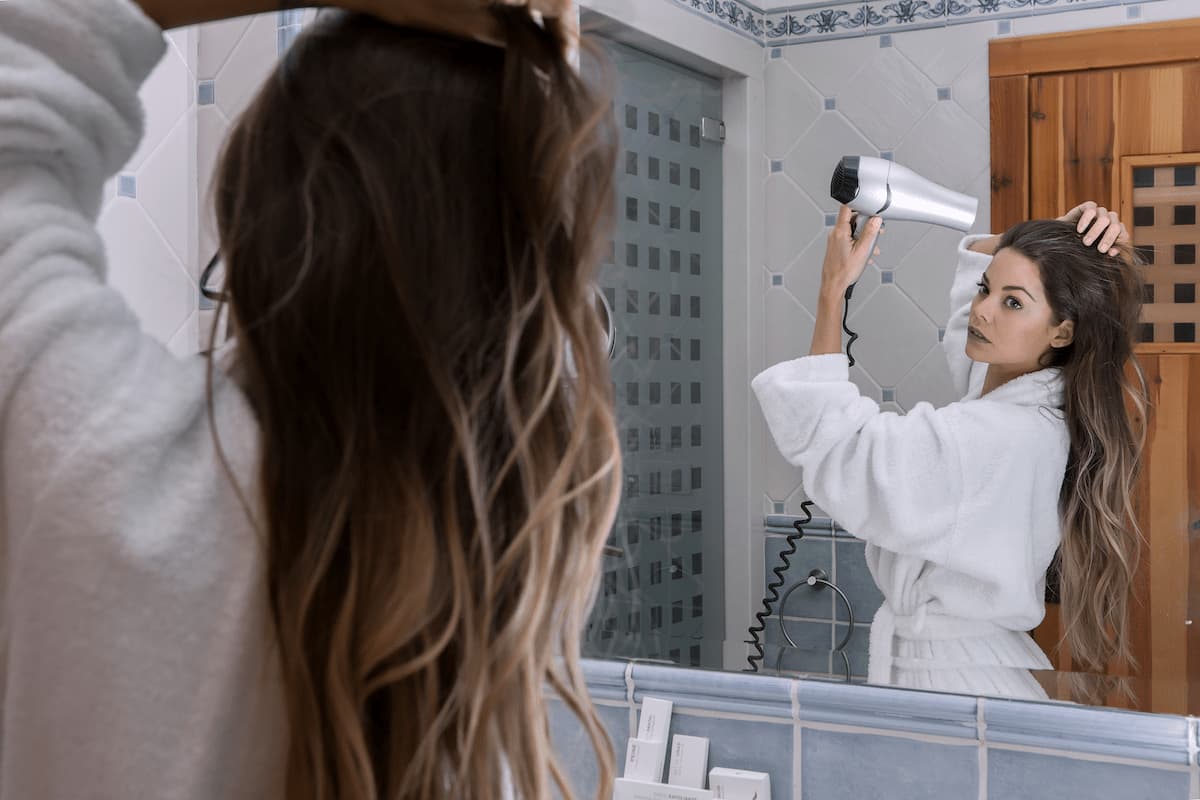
pixel 664 596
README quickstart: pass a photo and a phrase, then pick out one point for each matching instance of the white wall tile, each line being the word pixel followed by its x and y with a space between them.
pixel 946 146
pixel 142 267
pixel 829 65
pixel 1163 10
pixel 929 382
pixel 886 97
pixel 895 335
pixel 251 60
pixel 217 40
pixel 971 91
pixel 166 97
pixel 927 272
pixel 943 53
pixel 792 107
pixel 813 160
pixel 793 221
pixel 165 187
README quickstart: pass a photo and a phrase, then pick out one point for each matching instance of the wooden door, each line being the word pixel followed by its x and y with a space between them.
pixel 1089 115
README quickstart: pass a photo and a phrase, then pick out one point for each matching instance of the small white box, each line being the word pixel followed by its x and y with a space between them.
pixel 644 760
pixel 739 784
pixel 655 720
pixel 625 789
pixel 689 761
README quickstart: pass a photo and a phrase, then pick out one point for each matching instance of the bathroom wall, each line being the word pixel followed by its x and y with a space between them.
pixel 154 220
pixel 148 217
pixel 830 741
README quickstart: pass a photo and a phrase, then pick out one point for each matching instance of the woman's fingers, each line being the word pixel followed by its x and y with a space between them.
pixel 1098 227
pixel 1112 233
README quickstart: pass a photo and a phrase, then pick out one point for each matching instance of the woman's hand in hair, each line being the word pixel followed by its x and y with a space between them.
pixel 1103 228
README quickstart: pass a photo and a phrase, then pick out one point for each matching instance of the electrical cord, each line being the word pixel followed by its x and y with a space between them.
pixel 773 588
pixel 772 595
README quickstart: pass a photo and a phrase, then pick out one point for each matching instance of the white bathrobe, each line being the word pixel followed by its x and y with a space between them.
pixel 135 644
pixel 958 506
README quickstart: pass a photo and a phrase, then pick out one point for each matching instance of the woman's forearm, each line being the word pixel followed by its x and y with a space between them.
pixel 827 334
pixel 178 13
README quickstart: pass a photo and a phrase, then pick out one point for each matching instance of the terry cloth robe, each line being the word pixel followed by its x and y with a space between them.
pixel 136 649
pixel 958 506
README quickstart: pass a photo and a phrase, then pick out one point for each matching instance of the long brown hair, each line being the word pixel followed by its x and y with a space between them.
pixel 412 225
pixel 1101 539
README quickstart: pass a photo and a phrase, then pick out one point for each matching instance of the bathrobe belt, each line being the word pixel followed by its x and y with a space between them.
pixel 924 626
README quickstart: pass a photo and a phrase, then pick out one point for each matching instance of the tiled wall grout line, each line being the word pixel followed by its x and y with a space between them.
pixel 981 734
pixel 1194 755
pixel 928 738
pixel 797 732
pixel 1096 757
pixel 629 700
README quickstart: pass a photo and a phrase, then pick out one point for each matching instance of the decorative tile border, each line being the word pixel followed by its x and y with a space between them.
pixel 730 693
pixel 735 15
pixel 805 22
pixel 814 22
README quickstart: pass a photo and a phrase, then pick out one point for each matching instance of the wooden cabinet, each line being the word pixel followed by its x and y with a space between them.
pixel 1091 115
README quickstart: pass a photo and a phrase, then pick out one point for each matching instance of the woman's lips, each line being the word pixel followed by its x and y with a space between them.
pixel 977 335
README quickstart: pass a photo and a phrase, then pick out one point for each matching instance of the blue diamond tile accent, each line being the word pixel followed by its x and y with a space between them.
pixel 943 93
pixel 941 334
pixel 885 40
pixel 887 276
pixel 778 508
pixel 776 166
pixel 206 93
pixel 1003 27
pixel 776 52
pixel 1133 12
pixel 777 280
pixel 830 103
pixel 886 154
pixel 889 395
pixel 126 186
pixel 830 220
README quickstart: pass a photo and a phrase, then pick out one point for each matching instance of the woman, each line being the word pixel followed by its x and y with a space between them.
pixel 352 569
pixel 964 507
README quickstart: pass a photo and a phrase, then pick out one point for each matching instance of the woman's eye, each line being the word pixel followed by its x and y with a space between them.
pixel 982 287
pixel 1013 303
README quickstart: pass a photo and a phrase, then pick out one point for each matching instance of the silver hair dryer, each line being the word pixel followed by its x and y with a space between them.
pixel 876 187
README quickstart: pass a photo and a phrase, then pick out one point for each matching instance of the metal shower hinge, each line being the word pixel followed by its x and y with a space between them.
pixel 712 129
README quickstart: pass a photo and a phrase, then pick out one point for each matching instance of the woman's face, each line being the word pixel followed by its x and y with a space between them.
pixel 1011 324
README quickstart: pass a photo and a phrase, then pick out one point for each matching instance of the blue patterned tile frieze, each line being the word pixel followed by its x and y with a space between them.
pixel 733 14
pixel 820 21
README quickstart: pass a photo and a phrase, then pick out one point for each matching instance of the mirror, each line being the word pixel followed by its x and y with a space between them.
pixel 676 579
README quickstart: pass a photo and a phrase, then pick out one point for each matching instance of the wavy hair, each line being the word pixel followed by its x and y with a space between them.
pixel 1101 538
pixel 412 225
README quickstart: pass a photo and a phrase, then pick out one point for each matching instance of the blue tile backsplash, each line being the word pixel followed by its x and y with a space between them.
pixel 830 741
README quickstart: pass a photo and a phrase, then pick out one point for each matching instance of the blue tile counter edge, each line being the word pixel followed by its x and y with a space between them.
pixel 1161 738
pixel 1061 728
pixel 606 679
pixel 883 708
pixel 724 692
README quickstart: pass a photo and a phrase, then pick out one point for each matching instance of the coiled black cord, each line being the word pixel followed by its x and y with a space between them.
pixel 773 588
pixel 845 327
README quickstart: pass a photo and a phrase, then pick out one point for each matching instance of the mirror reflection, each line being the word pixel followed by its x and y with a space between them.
pixel 980 427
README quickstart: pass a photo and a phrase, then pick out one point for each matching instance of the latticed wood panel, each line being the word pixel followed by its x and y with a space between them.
pixel 1165 199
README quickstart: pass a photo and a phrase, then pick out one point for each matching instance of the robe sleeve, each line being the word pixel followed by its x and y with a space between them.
pixel 893 480
pixel 971 266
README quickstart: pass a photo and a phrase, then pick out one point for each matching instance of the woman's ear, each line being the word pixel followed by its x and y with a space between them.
pixel 1064 334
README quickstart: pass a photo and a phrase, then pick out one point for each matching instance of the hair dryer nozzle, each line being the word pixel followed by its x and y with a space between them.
pixel 877 187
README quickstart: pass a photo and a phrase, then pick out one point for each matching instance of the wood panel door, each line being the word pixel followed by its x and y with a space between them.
pixel 1084 116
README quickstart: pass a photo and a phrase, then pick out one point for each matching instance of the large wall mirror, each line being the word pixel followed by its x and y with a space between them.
pixel 1031 126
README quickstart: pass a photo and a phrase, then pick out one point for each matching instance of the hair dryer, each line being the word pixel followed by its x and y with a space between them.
pixel 876 187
